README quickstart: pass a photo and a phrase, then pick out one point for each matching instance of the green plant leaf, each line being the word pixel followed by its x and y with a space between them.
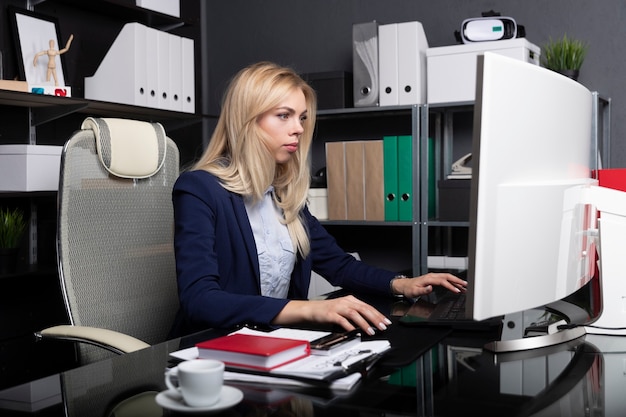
pixel 12 226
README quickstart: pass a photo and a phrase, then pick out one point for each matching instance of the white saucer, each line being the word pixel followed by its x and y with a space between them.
pixel 173 401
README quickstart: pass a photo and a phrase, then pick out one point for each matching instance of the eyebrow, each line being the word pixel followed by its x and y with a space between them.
pixel 290 110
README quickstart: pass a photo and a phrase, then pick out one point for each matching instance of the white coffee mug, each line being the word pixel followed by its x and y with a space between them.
pixel 200 381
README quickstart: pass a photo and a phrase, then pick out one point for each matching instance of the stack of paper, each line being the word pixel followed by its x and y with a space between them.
pixel 341 370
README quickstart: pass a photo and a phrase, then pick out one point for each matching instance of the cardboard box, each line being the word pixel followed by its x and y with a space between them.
pixel 451 70
pixel 29 167
pixel 454 199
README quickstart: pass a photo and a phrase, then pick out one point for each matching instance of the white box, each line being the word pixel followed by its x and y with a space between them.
pixel 170 7
pixel 451 70
pixel 318 203
pixel 29 167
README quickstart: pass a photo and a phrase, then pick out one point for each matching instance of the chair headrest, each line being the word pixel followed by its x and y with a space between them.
pixel 128 148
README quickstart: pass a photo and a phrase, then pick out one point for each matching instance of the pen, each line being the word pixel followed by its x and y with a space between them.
pixel 362 366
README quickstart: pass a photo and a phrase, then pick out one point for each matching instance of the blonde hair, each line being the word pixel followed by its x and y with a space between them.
pixel 237 155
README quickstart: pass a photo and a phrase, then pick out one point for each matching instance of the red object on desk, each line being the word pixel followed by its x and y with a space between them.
pixel 252 351
pixel 612 178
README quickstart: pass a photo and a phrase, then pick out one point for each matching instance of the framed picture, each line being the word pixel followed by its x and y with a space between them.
pixel 37 44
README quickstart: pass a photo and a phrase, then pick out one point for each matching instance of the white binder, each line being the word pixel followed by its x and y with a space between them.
pixel 176 73
pixel 121 76
pixel 188 78
pixel 144 67
pixel 365 64
pixel 152 73
pixel 388 64
pixel 412 46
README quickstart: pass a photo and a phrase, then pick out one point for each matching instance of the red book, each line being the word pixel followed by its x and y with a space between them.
pixel 252 351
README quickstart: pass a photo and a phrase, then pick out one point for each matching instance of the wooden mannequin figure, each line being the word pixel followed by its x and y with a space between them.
pixel 52 54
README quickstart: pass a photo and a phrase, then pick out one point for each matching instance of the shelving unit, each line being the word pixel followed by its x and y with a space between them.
pixel 448 129
pixel 32 295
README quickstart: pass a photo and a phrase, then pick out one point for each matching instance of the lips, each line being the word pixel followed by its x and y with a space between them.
pixel 292 147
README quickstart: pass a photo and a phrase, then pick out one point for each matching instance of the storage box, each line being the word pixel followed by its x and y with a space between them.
pixel 318 203
pixel 451 70
pixel 454 199
pixel 334 89
pixel 29 167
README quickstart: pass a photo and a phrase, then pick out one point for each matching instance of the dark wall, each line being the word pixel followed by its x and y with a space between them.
pixel 316 36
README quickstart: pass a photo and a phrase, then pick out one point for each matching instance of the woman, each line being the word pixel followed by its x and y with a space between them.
pixel 245 241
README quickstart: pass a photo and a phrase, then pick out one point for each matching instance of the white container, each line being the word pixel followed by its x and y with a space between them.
pixel 451 70
pixel 29 167
pixel 318 203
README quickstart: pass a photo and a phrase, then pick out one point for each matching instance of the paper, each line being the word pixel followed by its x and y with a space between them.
pixel 312 367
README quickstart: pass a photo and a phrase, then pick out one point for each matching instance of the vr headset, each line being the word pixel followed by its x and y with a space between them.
pixel 490 27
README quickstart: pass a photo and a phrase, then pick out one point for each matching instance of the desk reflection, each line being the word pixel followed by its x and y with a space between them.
pixel 583 378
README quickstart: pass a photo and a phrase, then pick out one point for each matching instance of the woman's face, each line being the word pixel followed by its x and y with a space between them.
pixel 284 125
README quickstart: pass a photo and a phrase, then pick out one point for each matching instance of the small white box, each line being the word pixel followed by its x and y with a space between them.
pixel 29 167
pixel 451 70
pixel 170 7
pixel 318 203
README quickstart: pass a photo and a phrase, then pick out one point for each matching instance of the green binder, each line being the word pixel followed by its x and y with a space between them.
pixel 405 178
pixel 390 170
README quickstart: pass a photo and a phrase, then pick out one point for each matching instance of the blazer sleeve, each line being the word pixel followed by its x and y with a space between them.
pixel 216 260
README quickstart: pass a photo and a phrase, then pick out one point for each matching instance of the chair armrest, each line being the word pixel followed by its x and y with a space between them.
pixel 108 339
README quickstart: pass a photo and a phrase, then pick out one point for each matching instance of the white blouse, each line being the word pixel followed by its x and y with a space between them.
pixel 274 247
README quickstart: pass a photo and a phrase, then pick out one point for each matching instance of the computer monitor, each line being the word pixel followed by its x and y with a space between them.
pixel 531 143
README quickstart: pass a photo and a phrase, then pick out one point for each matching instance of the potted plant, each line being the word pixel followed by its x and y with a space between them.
pixel 565 56
pixel 12 226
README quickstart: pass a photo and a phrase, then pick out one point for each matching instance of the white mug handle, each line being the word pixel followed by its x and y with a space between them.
pixel 168 379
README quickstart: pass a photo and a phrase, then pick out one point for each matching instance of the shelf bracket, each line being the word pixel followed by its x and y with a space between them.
pixel 43 115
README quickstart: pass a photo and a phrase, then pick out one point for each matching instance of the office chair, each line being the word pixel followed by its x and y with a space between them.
pixel 115 237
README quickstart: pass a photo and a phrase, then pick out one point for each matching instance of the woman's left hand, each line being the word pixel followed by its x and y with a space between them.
pixel 422 285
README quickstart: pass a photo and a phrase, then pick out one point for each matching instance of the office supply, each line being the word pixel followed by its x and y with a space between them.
pixel 447 310
pixel 251 351
pixel 29 167
pixel 153 59
pixel 355 185
pixel 412 47
pixel 374 178
pixel 452 69
pixel 405 178
pixel 459 168
pixel 454 199
pixel 333 88
pixel 388 64
pixel 188 75
pixel 331 343
pixel 390 155
pixel 120 187
pixel 365 64
pixel 336 180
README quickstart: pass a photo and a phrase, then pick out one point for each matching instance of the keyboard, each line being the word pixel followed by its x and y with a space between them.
pixel 451 307
pixel 448 310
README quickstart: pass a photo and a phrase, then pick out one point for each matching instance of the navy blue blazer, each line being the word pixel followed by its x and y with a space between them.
pixel 217 262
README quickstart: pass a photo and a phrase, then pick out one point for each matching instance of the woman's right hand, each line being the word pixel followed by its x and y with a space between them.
pixel 348 312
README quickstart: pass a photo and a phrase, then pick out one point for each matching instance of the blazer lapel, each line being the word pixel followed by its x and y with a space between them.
pixel 243 222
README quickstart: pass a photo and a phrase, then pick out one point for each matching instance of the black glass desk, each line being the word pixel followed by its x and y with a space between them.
pixel 431 372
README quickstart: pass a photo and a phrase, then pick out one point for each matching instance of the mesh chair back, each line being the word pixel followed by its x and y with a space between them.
pixel 115 245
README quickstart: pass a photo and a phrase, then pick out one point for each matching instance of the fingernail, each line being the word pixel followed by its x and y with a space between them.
pixel 371 331
pixel 387 321
pixel 382 326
